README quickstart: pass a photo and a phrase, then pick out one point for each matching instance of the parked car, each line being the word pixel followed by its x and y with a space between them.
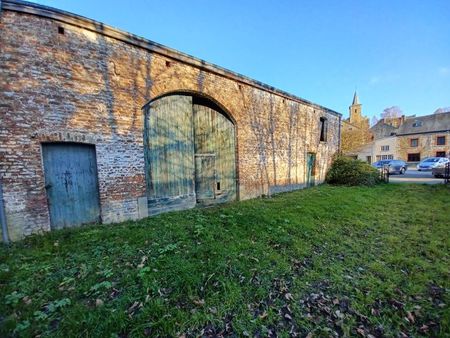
pixel 439 169
pixel 431 162
pixel 395 166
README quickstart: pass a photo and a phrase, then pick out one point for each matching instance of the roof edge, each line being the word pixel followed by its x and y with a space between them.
pixel 111 32
pixel 425 132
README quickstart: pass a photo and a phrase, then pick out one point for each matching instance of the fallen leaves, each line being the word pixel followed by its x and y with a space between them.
pixel 224 330
pixel 199 302
pixel 288 296
pixel 263 315
pixel 27 300
pixel 143 261
pixel 135 307
pixel 410 317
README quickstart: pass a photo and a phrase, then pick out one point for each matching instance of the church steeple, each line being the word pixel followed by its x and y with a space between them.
pixel 355 99
pixel 355 110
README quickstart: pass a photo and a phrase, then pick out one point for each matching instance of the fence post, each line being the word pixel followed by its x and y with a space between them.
pixel 384 173
pixel 447 173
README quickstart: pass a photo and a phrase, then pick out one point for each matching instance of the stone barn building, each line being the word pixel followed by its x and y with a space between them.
pixel 99 125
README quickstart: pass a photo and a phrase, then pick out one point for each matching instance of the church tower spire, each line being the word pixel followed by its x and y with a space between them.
pixel 355 99
pixel 355 110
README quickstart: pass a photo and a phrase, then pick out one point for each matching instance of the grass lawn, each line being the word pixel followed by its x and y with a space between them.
pixel 326 261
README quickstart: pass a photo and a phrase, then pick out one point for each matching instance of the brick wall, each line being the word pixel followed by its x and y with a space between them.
pixel 83 86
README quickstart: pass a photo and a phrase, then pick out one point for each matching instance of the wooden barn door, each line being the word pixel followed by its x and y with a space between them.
pixel 71 183
pixel 310 170
pixel 215 167
pixel 169 154
pixel 189 153
pixel 205 176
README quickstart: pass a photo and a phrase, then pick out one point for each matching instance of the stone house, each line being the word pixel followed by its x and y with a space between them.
pixel 99 125
pixel 408 138
pixel 379 149
pixel 424 136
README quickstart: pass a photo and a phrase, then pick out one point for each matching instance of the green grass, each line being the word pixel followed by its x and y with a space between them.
pixel 327 261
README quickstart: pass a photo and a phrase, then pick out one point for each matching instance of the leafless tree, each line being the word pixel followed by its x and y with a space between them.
pixel 391 112
pixel 374 121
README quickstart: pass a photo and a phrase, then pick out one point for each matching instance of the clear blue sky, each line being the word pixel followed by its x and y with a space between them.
pixel 393 52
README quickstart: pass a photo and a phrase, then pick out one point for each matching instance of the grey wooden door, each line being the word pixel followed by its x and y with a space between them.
pixel 169 154
pixel 205 176
pixel 214 136
pixel 71 183
pixel 310 169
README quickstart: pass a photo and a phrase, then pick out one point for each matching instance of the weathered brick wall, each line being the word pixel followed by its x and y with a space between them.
pixel 82 86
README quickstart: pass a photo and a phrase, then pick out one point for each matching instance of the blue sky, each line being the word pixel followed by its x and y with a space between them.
pixel 395 53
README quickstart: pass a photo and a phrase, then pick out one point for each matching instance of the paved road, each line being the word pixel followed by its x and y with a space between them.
pixel 414 176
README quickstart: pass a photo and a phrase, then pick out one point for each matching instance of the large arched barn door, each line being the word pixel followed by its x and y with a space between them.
pixel 190 153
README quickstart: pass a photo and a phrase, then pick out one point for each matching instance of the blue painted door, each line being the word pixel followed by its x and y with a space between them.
pixel 71 183
pixel 310 169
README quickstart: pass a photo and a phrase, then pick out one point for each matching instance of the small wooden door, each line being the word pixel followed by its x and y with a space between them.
pixel 310 169
pixel 71 183
pixel 205 176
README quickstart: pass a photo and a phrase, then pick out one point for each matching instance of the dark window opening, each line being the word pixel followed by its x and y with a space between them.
pixel 440 141
pixel 440 153
pixel 168 64
pixel 218 185
pixel 414 142
pixel 60 30
pixel 414 157
pixel 417 124
pixel 323 129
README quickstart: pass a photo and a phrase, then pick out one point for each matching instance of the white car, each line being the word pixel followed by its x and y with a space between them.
pixel 431 162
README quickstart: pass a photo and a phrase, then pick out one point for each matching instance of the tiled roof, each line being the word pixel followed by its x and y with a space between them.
pixel 425 124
